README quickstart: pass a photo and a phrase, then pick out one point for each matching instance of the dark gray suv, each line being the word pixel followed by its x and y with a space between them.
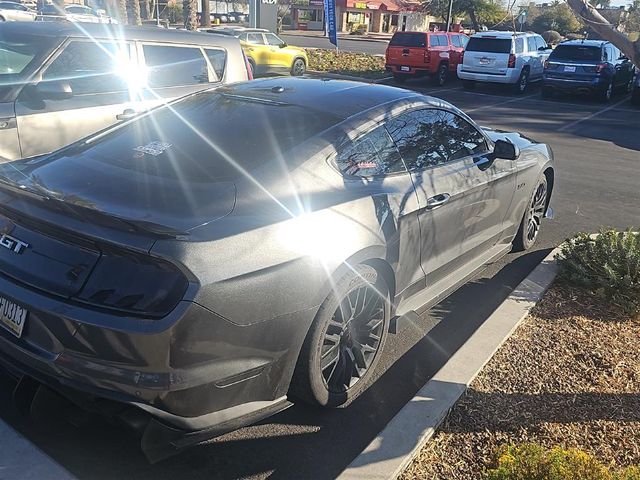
pixel 60 81
pixel 209 262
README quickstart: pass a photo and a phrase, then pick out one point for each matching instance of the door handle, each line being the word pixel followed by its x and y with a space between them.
pixel 127 114
pixel 437 200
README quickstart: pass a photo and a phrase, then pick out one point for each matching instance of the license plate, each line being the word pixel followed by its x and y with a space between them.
pixel 12 316
pixel 404 69
pixel 485 61
pixel 569 69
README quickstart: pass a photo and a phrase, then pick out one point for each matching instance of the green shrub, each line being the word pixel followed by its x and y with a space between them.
pixel 357 29
pixel 552 37
pixel 346 63
pixel 608 264
pixel 534 462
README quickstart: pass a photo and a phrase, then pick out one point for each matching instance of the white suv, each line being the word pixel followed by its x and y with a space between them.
pixel 504 57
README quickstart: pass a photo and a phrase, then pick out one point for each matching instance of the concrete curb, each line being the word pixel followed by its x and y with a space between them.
pixel 393 449
pixel 22 460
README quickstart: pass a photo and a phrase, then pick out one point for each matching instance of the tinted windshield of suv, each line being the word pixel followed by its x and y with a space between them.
pixel 490 45
pixel 576 52
pixel 405 39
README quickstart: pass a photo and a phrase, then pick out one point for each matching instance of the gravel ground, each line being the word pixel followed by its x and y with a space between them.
pixel 569 376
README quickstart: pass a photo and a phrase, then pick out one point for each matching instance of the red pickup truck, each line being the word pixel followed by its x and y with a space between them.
pixel 432 54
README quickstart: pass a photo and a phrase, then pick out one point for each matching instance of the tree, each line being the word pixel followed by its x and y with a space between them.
pixel 205 20
pixel 133 12
pixel 145 9
pixel 480 12
pixel 189 12
pixel 558 17
pixel 122 11
pixel 589 15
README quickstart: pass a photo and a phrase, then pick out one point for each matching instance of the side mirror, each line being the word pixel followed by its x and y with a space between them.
pixel 283 45
pixel 54 90
pixel 505 150
pixel 623 57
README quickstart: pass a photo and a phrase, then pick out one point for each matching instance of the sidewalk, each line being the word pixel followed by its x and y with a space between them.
pixel 370 37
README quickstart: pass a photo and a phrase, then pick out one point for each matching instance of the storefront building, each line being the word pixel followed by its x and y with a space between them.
pixel 307 15
pixel 381 16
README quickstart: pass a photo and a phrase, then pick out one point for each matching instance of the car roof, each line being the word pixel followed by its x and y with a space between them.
pixel 103 31
pixel 499 34
pixel 341 98
pixel 586 43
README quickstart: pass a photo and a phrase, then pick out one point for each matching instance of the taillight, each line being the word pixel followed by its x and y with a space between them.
pixel 134 284
pixel 600 67
pixel 248 67
pixel 512 61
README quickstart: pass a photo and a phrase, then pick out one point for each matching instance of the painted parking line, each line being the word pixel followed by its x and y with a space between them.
pixel 589 117
pixel 21 460
pixel 512 100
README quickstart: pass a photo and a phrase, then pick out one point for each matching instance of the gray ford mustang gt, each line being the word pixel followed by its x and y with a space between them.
pixel 200 267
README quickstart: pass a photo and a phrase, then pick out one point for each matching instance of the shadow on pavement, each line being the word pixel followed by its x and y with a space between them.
pixel 301 442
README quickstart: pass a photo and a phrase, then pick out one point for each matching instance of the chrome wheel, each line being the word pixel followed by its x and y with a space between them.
pixel 523 82
pixel 298 67
pixel 352 339
pixel 536 212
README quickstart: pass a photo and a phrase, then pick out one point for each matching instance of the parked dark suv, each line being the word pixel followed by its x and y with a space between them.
pixel 635 92
pixel 594 67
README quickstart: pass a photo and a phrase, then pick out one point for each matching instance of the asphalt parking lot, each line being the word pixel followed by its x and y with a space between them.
pixel 597 148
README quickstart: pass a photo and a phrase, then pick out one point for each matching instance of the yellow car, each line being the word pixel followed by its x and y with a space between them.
pixel 268 53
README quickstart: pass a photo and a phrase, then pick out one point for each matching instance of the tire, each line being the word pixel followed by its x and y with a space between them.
pixel 469 84
pixel 523 82
pixel 2 19
pixel 440 77
pixel 546 92
pixel 298 67
pixel 532 218
pixel 252 66
pixel 399 78
pixel 339 343
pixel 605 95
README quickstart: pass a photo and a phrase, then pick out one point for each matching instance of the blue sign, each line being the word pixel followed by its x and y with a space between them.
pixel 330 20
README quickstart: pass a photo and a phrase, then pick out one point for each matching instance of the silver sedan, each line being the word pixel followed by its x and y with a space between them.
pixel 16 12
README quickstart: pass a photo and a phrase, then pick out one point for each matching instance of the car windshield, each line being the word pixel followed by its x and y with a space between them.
pixel 489 45
pixel 577 52
pixel 406 39
pixel 18 55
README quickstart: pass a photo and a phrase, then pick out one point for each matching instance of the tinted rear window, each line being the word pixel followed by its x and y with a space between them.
pixel 205 138
pixel 576 52
pixel 490 45
pixel 407 39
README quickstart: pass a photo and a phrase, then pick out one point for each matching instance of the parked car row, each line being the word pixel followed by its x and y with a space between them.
pixel 18 12
pixel 59 83
pixel 594 67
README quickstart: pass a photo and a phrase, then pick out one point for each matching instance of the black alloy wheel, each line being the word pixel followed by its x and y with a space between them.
pixel 441 75
pixel 532 219
pixel 344 343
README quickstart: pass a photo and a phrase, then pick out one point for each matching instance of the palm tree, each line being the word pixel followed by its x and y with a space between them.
pixel 205 21
pixel 133 12
pixel 189 10
pixel 122 11
pixel 146 9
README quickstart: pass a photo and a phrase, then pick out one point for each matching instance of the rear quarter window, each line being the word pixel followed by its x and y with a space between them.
pixel 406 39
pixel 490 45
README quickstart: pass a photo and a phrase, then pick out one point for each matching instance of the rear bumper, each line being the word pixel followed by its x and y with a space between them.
pixel 413 70
pixel 511 75
pixel 572 85
pixel 192 370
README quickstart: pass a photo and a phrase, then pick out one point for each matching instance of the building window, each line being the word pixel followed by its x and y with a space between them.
pixel 353 17
pixel 305 15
